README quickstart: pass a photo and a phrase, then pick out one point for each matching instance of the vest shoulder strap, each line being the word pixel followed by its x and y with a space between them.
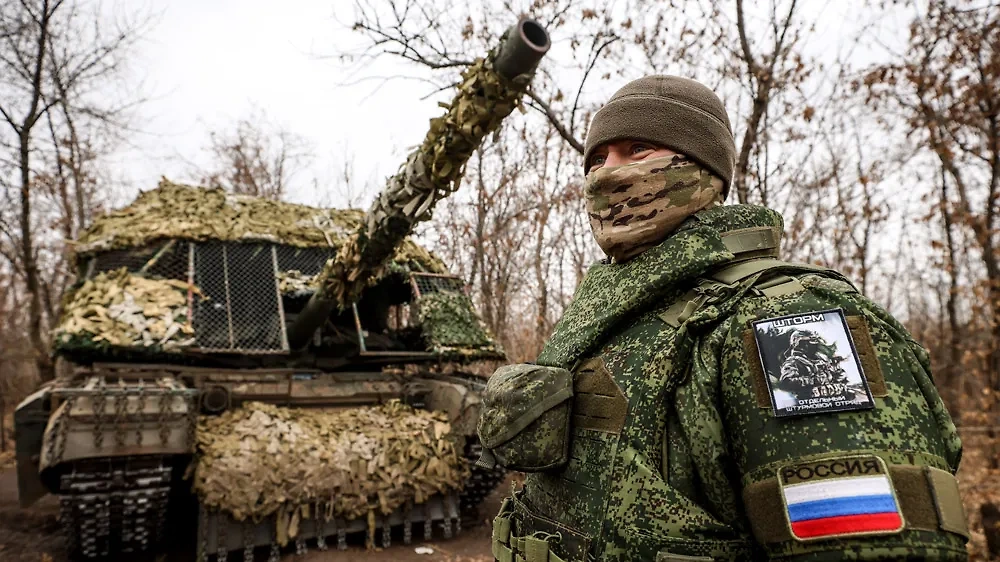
pixel 752 271
pixel 754 242
pixel 736 272
pixel 742 270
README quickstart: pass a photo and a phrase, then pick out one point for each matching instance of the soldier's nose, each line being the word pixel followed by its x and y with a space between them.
pixel 614 158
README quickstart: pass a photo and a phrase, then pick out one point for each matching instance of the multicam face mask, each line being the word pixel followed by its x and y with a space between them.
pixel 635 206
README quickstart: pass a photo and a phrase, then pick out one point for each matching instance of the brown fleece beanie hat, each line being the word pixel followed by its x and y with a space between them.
pixel 674 112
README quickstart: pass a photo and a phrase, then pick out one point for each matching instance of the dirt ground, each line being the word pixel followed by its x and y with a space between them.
pixel 33 535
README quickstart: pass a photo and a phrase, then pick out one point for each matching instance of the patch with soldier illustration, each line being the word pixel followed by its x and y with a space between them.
pixel 811 365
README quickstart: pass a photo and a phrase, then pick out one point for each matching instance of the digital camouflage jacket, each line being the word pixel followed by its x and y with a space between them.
pixel 681 449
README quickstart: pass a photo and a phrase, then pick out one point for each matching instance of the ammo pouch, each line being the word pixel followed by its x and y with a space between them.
pixel 536 547
pixel 524 424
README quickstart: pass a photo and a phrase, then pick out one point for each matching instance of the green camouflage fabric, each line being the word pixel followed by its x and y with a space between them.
pixel 524 424
pixel 671 478
pixel 450 327
pixel 631 206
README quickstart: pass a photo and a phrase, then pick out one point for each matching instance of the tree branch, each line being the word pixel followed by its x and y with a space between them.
pixel 586 74
pixel 741 28
pixel 554 119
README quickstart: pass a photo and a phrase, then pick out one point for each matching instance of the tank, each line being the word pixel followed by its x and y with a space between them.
pixel 280 374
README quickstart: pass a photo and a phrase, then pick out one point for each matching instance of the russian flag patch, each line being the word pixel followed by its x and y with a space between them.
pixel 839 497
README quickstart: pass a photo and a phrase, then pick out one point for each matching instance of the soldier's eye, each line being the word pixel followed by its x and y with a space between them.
pixel 639 148
pixel 597 160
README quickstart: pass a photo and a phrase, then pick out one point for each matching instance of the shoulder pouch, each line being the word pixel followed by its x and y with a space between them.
pixel 524 424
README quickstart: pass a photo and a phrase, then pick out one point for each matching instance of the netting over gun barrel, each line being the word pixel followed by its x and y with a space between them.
pixel 488 92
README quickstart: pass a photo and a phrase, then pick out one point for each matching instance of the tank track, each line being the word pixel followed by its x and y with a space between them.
pixel 481 482
pixel 119 506
pixel 114 507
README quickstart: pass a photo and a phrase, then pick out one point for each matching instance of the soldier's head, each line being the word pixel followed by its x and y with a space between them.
pixel 659 151
pixel 804 340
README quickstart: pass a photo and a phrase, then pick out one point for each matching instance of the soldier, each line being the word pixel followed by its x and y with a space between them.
pixel 811 368
pixel 646 426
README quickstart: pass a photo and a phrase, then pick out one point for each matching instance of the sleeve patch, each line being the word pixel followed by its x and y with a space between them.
pixel 839 497
pixel 811 365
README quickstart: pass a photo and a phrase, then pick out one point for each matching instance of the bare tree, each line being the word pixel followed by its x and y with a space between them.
pixel 53 57
pixel 346 183
pixel 952 364
pixel 28 62
pixel 777 67
pixel 255 158
pixel 442 38
pixel 948 88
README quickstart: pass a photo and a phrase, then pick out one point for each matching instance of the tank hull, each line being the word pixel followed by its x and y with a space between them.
pixel 114 442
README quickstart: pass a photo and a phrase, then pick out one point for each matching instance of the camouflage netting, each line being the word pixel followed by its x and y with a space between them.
pixel 194 213
pixel 450 326
pixel 117 309
pixel 262 459
pixel 431 173
pixel 294 282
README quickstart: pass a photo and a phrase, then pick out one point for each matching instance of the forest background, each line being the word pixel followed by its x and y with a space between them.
pixel 872 126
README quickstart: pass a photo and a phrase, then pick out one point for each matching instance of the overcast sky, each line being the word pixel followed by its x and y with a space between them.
pixel 208 63
pixel 205 64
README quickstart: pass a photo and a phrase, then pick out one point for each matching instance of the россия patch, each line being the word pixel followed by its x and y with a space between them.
pixel 839 497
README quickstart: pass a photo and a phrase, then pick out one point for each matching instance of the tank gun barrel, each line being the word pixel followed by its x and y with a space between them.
pixel 523 46
pixel 489 90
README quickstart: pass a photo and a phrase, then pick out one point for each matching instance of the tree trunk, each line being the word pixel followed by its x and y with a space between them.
pixel 76 162
pixel 541 278
pixel 990 514
pixel 30 265
pixel 765 80
pixel 948 380
pixel 63 188
pixel 3 422
pixel 749 140
pixel 993 367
